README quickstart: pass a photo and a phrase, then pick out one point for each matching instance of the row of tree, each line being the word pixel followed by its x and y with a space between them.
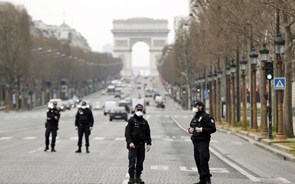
pixel 225 30
pixel 28 63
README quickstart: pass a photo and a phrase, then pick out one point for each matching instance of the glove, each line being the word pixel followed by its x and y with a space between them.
pixel 131 146
pixel 148 148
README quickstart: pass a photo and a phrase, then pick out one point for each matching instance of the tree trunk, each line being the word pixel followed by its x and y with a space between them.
pixel 289 55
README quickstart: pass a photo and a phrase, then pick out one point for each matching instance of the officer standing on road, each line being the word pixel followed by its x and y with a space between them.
pixel 201 127
pixel 137 134
pixel 51 126
pixel 84 123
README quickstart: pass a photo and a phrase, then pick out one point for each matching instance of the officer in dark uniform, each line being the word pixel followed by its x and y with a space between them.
pixel 137 134
pixel 51 126
pixel 84 124
pixel 201 127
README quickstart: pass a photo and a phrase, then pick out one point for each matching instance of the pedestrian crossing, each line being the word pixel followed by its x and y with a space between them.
pixel 156 137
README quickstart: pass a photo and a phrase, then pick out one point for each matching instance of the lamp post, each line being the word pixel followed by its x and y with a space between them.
pixel 228 96
pixel 253 57
pixel 264 53
pixel 218 95
pixel 214 93
pixel 204 86
pixel 279 47
pixel 232 84
pixel 243 64
pixel 209 88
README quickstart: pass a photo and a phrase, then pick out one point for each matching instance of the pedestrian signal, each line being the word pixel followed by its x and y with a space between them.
pixel 269 70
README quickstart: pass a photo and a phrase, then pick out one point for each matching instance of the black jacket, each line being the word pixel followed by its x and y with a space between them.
pixel 84 117
pixel 204 120
pixel 137 124
pixel 51 114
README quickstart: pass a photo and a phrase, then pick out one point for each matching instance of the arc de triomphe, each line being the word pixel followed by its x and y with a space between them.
pixel 128 32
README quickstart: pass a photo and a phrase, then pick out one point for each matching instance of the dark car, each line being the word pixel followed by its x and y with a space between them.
pixel 118 113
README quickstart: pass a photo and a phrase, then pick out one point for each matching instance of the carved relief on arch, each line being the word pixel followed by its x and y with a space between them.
pixel 133 41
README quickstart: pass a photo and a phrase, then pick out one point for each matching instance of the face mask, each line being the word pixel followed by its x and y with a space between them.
pixel 139 113
pixel 195 110
pixel 83 107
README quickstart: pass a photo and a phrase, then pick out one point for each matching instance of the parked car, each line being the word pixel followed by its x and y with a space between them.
pixel 117 112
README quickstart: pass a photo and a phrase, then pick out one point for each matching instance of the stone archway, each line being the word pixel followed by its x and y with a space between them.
pixel 128 32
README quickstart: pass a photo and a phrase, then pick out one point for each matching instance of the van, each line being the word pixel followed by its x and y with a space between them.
pixel 108 106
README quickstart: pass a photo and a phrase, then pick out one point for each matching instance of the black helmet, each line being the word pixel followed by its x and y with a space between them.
pixel 199 103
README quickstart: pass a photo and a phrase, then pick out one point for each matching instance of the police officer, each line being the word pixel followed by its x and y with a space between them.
pixel 84 124
pixel 137 134
pixel 201 127
pixel 51 126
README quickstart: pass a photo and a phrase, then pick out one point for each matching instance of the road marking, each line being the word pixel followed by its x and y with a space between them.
pixel 119 139
pixel 159 167
pixel 99 138
pixel 5 138
pixel 167 139
pixel 29 138
pixel 239 169
pixel 73 138
pixel 213 170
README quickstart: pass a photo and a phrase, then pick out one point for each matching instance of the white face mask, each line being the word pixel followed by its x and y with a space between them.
pixel 195 110
pixel 139 113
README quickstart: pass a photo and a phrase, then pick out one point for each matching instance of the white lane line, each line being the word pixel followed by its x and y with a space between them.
pixel 166 139
pixel 239 169
pixel 119 139
pixel 73 138
pixel 29 138
pixel 159 167
pixel 99 138
pixel 5 138
pixel 212 169
pixel 283 180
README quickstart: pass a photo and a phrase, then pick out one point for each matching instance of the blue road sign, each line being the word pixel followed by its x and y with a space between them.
pixel 279 83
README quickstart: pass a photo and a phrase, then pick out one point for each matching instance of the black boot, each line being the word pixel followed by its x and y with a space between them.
pixel 131 179
pixel 208 181
pixel 138 180
pixel 201 182
pixel 52 149
pixel 87 150
pixel 78 150
pixel 46 148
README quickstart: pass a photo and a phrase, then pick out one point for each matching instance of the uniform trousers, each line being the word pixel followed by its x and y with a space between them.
pixel 83 130
pixel 136 157
pixel 53 130
pixel 202 156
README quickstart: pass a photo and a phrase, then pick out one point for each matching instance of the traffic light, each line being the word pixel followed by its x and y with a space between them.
pixel 198 89
pixel 269 70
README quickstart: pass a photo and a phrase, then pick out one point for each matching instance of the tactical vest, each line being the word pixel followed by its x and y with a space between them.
pixel 138 132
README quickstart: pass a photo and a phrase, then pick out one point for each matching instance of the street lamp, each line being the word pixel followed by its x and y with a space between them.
pixel 209 87
pixel 218 95
pixel 243 64
pixel 253 58
pixel 228 96
pixel 232 92
pixel 214 93
pixel 279 47
pixel 264 54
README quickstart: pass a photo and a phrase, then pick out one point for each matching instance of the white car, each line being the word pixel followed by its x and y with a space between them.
pixel 108 106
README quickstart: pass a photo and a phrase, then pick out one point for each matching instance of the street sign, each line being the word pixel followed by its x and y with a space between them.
pixel 279 83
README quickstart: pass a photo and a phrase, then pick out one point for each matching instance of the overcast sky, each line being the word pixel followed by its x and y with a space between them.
pixel 93 18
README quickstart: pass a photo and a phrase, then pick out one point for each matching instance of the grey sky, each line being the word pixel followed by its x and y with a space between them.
pixel 93 18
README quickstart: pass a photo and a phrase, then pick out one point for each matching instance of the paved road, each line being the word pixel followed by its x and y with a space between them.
pixel 170 161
